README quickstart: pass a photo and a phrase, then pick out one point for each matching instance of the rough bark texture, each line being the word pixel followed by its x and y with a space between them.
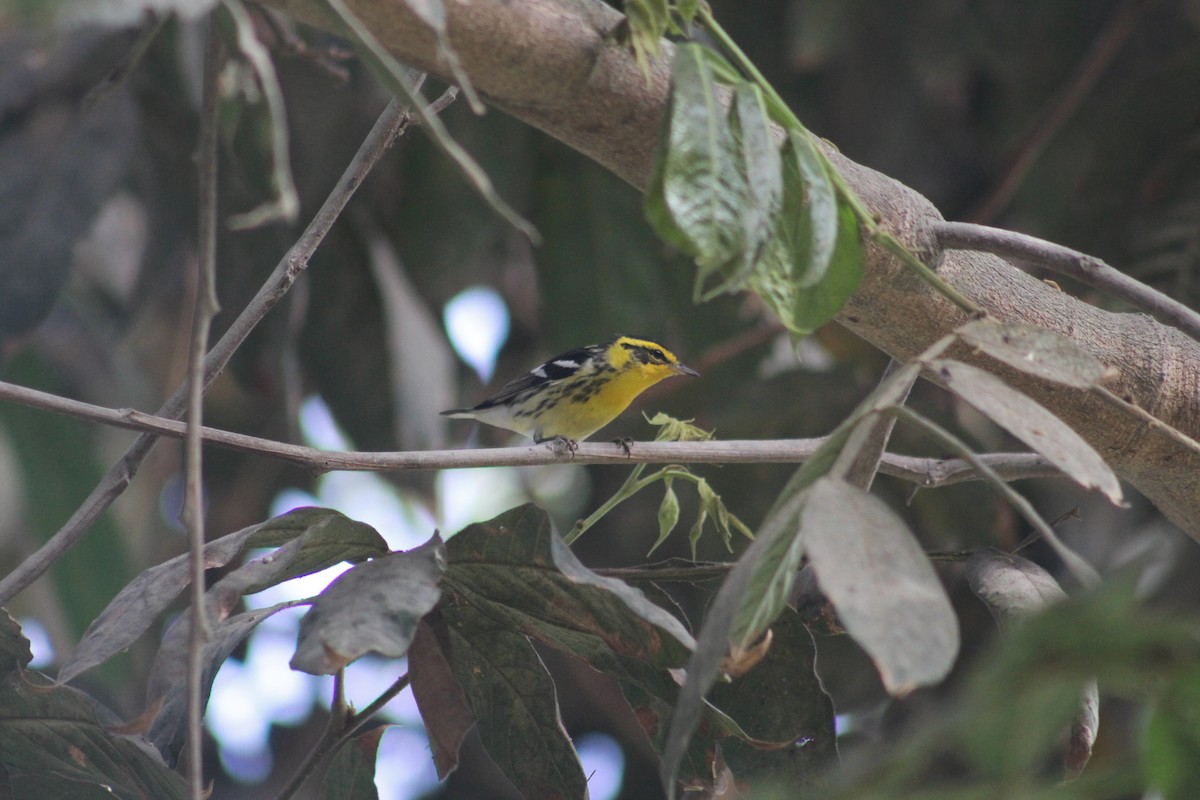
pixel 552 64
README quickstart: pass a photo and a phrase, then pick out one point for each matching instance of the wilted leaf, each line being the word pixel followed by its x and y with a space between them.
pixel 1015 588
pixel 328 535
pixel 513 699
pixel 697 190
pixel 1012 587
pixel 443 706
pixel 372 608
pixel 351 774
pixel 1036 351
pixel 878 578
pixel 168 677
pixel 1081 735
pixel 327 538
pixel 1030 422
pixel 55 732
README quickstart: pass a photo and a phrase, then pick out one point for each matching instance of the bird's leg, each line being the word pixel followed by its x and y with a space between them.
pixel 625 443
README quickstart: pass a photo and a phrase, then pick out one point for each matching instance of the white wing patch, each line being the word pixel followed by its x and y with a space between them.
pixel 539 372
pixel 566 363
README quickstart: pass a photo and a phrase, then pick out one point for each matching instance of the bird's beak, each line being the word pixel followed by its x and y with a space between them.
pixel 684 370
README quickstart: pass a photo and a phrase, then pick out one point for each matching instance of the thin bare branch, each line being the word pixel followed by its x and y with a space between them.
pixel 391 123
pixel 1029 250
pixel 924 472
pixel 203 311
pixel 342 727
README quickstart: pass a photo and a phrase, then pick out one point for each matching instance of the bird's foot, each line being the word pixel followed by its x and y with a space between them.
pixel 561 445
pixel 625 443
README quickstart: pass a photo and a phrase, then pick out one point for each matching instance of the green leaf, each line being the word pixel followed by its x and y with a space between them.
pixel 50 735
pixel 783 258
pixel 876 575
pixel 697 529
pixel 372 608
pixel 514 568
pixel 1029 421
pixel 781 704
pixel 821 207
pixel 686 9
pixel 697 190
pixel 351 773
pixel 668 514
pixel 821 302
pixel 513 700
pixel 762 165
pixel 815 260
pixel 647 21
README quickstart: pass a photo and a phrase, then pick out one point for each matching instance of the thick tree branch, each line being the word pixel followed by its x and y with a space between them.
pixel 554 64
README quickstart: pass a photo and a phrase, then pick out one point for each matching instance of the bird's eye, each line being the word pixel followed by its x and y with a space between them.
pixel 658 354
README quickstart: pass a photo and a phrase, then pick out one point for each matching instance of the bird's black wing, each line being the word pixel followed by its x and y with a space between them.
pixel 556 369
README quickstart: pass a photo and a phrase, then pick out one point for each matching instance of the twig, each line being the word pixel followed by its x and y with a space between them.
pixel 927 473
pixel 1072 263
pixel 1080 569
pixel 341 728
pixel 692 572
pixel 1059 109
pixel 329 59
pixel 203 311
pixel 391 123
pixel 395 78
pixel 1152 422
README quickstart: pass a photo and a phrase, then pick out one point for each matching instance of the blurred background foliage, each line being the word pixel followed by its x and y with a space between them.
pixel 1075 122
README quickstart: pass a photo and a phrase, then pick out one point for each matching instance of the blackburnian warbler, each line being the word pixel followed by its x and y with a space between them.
pixel 575 394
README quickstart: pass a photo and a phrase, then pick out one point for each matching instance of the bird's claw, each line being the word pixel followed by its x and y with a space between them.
pixel 625 443
pixel 562 445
